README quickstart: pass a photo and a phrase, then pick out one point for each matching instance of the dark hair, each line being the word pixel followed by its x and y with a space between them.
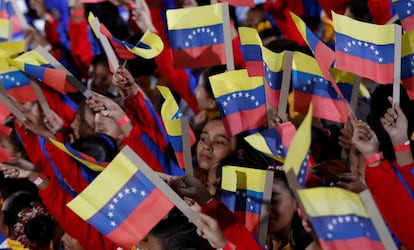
pixel 176 233
pixel 26 209
pixel 100 59
pixel 101 147
pixel 206 73
pixel 15 140
pixel 379 106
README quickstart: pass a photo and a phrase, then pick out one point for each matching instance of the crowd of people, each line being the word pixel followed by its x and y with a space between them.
pixel 371 151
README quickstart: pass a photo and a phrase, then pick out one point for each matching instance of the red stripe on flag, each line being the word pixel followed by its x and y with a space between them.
pixel 250 220
pixel 180 159
pixel 245 120
pixel 4 113
pixel 357 243
pixel 200 57
pixel 23 94
pixel 325 108
pixel 408 23
pixel 138 224
pixel 381 73
pixel 273 96
pixel 55 79
pixel 255 68
pixel 409 86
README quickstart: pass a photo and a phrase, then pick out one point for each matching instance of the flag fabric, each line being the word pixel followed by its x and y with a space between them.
pixel 310 86
pixel 122 203
pixel 4 156
pixel 324 55
pixel 407 62
pixel 298 154
pixel 15 83
pixel 251 48
pixel 37 67
pixel 199 43
pixel 268 142
pixel 83 158
pixel 171 116
pixel 149 46
pixel 340 219
pixel 365 49
pixel 5 32
pixel 7 12
pixel 240 99
pixel 12 48
pixel 242 192
pixel 273 67
pixel 345 81
pixel 405 11
pixel 5 130
pixel 249 3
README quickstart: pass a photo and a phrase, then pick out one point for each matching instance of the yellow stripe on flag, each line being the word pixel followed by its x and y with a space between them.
pixel 232 176
pixel 274 61
pixel 373 33
pixel 187 18
pixel 249 36
pixel 326 201
pixel 5 28
pixel 152 40
pixel 236 80
pixel 407 44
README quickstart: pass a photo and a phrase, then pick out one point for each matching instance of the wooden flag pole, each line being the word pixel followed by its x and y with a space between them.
pixel 41 98
pixel 4 99
pixel 284 91
pixel 185 135
pixel 269 108
pixel 161 185
pixel 10 32
pixel 397 65
pixel 264 215
pixel 227 36
pixel 69 76
pixel 113 60
pixel 19 15
pixel 377 220
pixel 393 19
pixel 355 93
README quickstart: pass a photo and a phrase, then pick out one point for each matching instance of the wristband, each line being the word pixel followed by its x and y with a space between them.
pixel 374 158
pixel 121 122
pixel 78 13
pixel 39 180
pixel 402 147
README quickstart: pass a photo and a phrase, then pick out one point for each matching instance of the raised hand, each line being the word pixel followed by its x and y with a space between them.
pixel 395 123
pixel 209 229
pixel 364 139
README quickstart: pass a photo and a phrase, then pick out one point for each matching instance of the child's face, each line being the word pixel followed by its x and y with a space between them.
pixel 214 144
pixel 204 101
pixel 282 209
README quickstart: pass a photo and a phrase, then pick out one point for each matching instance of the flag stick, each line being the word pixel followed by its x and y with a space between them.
pixel 377 220
pixel 41 98
pixel 355 93
pixel 19 14
pixel 269 108
pixel 284 91
pixel 264 215
pixel 159 183
pixel 69 76
pixel 113 60
pixel 227 36
pixel 397 65
pixel 393 19
pixel 188 163
pixel 10 32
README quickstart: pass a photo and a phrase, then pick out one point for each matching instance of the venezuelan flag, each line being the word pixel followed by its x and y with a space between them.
pixel 273 67
pixel 16 83
pixel 196 36
pixel 310 86
pixel 340 219
pixel 251 47
pixel 365 49
pixel 5 31
pixel 405 11
pixel 240 99
pixel 171 116
pixel 345 82
pixel 122 203
pixel 268 142
pixel 407 63
pixel 298 154
pixel 34 65
pixel 324 55
pixel 8 12
pixel 242 192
